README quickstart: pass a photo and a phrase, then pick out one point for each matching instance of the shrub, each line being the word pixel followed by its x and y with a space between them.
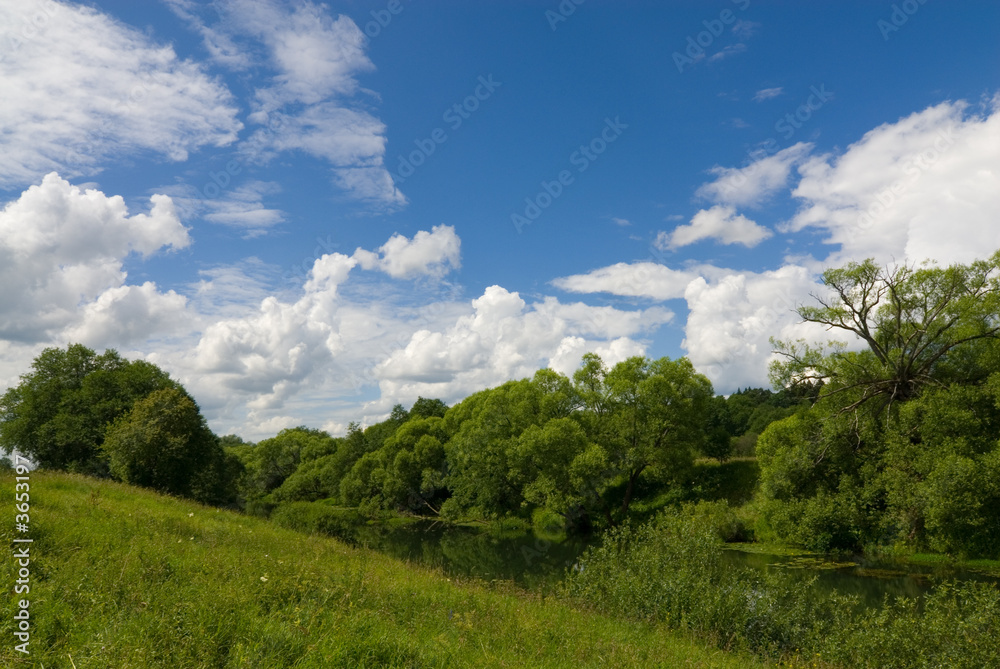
pixel 317 518
pixel 671 570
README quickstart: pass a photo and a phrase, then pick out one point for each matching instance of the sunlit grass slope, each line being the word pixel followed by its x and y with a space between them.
pixel 122 577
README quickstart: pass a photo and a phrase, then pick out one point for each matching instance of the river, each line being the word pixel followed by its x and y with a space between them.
pixel 531 561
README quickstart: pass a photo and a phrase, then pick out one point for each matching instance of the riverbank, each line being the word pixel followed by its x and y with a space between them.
pixel 122 577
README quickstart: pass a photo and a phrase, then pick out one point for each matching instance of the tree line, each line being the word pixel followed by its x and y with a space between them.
pixel 887 439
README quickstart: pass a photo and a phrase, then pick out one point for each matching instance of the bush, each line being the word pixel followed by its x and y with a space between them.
pixel 963 508
pixel 671 570
pixel 955 628
pixel 317 518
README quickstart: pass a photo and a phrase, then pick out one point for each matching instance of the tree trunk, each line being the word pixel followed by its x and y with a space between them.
pixel 633 477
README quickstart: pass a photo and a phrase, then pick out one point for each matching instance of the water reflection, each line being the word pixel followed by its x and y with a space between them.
pixel 533 561
pixel 870 580
pixel 523 557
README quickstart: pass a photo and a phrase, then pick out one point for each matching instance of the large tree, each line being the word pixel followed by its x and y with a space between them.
pixel 164 443
pixel 647 416
pixel 917 325
pixel 903 436
pixel 57 415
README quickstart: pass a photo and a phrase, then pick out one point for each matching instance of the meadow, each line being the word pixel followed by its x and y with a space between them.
pixel 128 578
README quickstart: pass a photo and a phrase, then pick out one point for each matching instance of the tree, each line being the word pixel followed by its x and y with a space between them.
pixel 646 415
pixel 425 408
pixel 406 473
pixel 485 475
pixel 57 415
pixel 274 460
pixel 901 443
pixel 561 470
pixel 916 324
pixel 164 443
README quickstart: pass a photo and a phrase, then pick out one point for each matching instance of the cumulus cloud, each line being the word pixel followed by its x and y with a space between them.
pixel 85 86
pixel 61 264
pixel 128 314
pixel 926 186
pixel 294 355
pixel 753 184
pixel 731 319
pixel 720 223
pixel 506 338
pixel 432 254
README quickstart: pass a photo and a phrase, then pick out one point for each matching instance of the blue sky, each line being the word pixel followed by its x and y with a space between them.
pixel 309 212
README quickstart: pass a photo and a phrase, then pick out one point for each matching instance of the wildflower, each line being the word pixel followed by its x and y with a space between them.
pixel 263 579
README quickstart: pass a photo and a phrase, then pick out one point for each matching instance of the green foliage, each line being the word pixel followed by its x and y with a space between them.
pixel 557 468
pixel 963 505
pixel 313 480
pixel 918 326
pixel 163 443
pixel 405 473
pixel 427 408
pixel 57 415
pixel 483 450
pixel 272 461
pixel 671 570
pixel 646 416
pixel 133 580
pixel 317 519
pixel 902 444
pixel 734 481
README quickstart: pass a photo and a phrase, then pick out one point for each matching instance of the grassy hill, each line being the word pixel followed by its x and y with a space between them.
pixel 122 577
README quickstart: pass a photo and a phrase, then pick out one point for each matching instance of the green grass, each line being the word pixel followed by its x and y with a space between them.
pixel 122 577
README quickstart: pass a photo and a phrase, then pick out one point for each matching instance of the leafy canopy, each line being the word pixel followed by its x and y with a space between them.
pixel 917 325
pixel 57 415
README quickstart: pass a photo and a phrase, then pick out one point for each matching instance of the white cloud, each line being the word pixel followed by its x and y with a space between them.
pixel 241 207
pixel 220 46
pixel 720 223
pixel 926 186
pixel 61 265
pixel 505 338
pixel 622 222
pixel 641 279
pixel 767 93
pixel 431 254
pixel 730 50
pixel 128 314
pixel 731 319
pixel 85 87
pixel 254 357
pixel 261 364
pixel 311 103
pixel 751 185
pixel 745 29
